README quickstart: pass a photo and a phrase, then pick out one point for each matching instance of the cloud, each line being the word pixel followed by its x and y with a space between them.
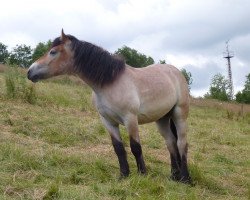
pixel 186 33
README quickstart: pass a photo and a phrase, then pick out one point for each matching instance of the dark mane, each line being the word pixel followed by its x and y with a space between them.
pixel 96 64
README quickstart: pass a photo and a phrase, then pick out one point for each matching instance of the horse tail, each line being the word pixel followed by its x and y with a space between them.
pixel 173 128
pixel 174 131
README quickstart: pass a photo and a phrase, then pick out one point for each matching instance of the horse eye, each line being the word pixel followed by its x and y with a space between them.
pixel 52 52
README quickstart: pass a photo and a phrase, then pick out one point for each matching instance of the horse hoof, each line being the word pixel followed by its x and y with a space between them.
pixel 123 176
pixel 143 173
pixel 187 180
pixel 175 177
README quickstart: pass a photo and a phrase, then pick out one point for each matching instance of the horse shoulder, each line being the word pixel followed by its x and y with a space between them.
pixel 117 100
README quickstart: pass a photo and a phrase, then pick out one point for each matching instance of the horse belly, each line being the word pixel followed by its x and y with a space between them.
pixel 150 112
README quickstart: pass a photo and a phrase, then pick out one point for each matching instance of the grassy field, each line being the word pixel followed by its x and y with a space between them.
pixel 53 146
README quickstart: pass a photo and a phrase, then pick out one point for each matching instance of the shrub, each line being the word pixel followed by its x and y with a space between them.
pixel 17 86
pixel 53 192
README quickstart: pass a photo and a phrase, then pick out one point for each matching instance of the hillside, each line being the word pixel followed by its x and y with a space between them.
pixel 53 146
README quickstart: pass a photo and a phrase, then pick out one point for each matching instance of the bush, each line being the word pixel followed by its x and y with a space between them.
pixel 134 58
pixel 219 88
pixel 17 86
pixel 53 192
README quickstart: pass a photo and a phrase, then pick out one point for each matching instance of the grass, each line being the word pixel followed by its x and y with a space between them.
pixel 57 148
pixel 17 86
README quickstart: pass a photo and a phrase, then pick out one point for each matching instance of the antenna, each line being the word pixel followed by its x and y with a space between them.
pixel 228 55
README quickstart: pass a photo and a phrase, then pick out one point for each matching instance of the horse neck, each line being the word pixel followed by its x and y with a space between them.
pixel 96 88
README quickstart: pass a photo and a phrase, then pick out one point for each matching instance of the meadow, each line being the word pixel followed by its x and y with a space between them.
pixel 54 146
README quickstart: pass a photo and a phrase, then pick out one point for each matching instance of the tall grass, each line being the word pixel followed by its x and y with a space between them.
pixel 17 86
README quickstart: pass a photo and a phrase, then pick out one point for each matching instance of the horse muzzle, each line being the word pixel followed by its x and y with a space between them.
pixel 33 78
pixel 36 72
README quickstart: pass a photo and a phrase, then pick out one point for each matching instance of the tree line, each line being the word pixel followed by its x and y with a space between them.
pixel 220 89
pixel 23 56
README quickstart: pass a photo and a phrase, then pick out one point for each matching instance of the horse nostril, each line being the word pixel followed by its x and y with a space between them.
pixel 28 74
pixel 35 77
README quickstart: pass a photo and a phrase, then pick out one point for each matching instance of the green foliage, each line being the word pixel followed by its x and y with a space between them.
pixel 162 61
pixel 219 88
pixel 21 55
pixel 134 58
pixel 4 54
pixel 188 77
pixel 40 49
pixel 244 95
pixel 17 86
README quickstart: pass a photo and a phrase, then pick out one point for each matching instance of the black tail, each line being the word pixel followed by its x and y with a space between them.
pixel 173 129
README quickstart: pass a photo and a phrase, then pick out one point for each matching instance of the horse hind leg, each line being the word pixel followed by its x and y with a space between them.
pixel 168 131
pixel 179 120
pixel 175 156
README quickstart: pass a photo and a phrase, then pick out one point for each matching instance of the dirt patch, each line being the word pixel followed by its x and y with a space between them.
pixel 2 68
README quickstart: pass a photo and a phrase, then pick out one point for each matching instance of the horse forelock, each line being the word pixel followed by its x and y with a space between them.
pixel 56 42
pixel 96 64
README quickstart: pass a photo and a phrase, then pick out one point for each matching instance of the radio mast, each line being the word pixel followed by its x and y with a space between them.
pixel 228 55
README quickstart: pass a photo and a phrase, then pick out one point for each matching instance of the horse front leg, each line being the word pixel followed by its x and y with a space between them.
pixel 132 128
pixel 119 149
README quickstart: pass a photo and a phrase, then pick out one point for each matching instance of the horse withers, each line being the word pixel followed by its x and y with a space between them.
pixel 127 96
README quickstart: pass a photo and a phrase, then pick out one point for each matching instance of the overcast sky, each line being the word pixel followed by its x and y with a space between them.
pixel 189 34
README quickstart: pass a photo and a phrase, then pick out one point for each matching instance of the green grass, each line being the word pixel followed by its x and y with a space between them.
pixel 57 148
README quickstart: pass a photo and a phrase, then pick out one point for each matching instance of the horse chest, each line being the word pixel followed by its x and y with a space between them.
pixel 109 112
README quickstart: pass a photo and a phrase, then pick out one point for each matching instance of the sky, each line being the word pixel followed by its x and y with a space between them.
pixel 188 34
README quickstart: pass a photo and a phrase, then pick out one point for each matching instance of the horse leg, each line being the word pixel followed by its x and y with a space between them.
pixel 168 131
pixel 179 119
pixel 120 151
pixel 132 128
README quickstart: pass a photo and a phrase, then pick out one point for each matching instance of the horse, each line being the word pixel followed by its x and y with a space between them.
pixel 124 95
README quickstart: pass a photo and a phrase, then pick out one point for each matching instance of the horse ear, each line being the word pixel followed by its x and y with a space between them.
pixel 63 36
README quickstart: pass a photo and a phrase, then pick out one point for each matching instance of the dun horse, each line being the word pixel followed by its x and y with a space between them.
pixel 127 96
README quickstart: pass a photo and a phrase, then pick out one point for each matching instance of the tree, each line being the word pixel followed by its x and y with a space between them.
pixel 188 77
pixel 4 54
pixel 21 55
pixel 40 49
pixel 162 61
pixel 134 58
pixel 244 95
pixel 219 88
